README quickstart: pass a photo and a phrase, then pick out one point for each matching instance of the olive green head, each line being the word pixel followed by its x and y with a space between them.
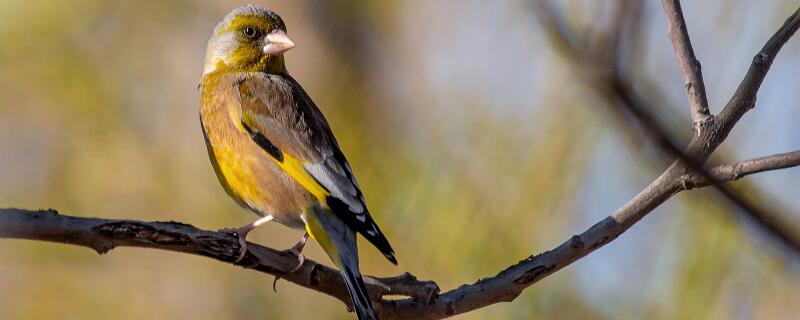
pixel 249 38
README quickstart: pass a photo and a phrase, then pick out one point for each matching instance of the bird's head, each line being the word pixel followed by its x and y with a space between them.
pixel 249 38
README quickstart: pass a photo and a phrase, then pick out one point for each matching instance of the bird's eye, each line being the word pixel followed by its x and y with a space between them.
pixel 250 32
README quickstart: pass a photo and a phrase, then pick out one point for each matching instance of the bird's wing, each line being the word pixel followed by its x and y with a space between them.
pixel 283 120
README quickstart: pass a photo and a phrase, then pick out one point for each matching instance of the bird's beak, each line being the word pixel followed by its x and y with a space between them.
pixel 278 42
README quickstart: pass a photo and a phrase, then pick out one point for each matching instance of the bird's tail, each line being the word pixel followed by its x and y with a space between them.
pixel 339 242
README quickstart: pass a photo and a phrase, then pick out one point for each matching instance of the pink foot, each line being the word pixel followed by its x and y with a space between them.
pixel 297 250
pixel 242 245
pixel 242 234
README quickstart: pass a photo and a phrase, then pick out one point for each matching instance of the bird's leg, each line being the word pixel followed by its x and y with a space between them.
pixel 242 232
pixel 297 249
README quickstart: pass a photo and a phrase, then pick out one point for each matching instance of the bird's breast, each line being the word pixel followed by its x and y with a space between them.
pixel 247 173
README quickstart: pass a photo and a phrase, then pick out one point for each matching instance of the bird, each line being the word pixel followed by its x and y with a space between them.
pixel 274 152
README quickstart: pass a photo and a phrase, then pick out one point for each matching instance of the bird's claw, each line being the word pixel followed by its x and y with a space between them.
pixel 301 258
pixel 297 250
pixel 237 232
pixel 242 249
pixel 242 232
pixel 275 284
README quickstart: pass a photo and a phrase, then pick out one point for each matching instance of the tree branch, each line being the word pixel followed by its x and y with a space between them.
pixel 744 99
pixel 424 301
pixel 736 171
pixel 609 83
pixel 690 66
pixel 103 235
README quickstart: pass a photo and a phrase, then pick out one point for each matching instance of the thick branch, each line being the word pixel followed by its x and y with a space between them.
pixel 425 302
pixel 690 66
pixel 103 234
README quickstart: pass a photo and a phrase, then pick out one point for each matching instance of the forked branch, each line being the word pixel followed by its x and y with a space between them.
pixel 424 300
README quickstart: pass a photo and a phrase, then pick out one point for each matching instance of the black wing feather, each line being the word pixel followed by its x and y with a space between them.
pixel 338 169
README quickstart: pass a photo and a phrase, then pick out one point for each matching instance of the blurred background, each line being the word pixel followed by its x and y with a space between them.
pixel 479 135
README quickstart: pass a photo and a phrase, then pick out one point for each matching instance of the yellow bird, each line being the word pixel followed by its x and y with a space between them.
pixel 274 152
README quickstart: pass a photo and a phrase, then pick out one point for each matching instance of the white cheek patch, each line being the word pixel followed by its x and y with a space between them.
pixel 211 65
pixel 218 51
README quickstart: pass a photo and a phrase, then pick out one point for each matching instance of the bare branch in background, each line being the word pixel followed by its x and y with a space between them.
pixel 612 86
pixel 736 171
pixel 693 77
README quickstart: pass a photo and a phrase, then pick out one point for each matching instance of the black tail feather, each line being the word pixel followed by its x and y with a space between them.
pixel 358 292
pixel 366 227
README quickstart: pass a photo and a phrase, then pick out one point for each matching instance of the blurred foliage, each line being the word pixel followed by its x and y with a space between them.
pixel 474 145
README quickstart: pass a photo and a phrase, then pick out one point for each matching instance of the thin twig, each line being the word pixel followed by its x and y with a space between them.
pixel 611 86
pixel 690 66
pixel 744 98
pixel 738 170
